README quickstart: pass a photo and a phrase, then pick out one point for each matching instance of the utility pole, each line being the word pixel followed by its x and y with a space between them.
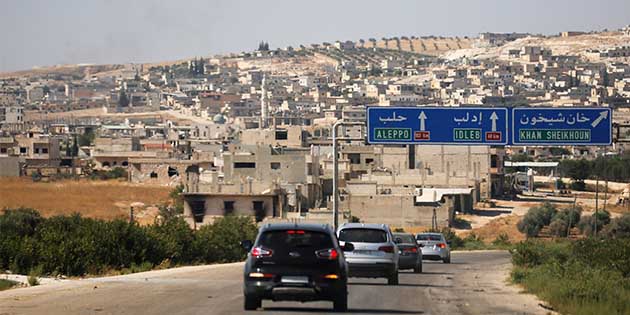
pixel 335 138
pixel 596 201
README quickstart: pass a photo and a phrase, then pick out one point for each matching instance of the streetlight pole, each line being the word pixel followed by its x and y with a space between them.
pixel 335 138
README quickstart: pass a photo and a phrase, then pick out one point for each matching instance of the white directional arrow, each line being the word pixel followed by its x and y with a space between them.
pixel 494 118
pixel 422 118
pixel 602 115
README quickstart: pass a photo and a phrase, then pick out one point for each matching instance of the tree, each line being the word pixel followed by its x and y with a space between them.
pixel 536 218
pixel 123 100
pixel 87 138
pixel 263 46
pixel 75 147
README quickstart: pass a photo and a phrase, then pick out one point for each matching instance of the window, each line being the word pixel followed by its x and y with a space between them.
pixel 23 150
pixel 197 207
pixel 429 237
pixel 493 161
pixel 284 241
pixel 105 164
pixel 369 161
pixel 363 235
pixel 153 175
pixel 172 172
pixel 44 150
pixel 282 135
pixel 259 210
pixel 355 158
pixel 244 165
pixel 275 165
pixel 36 150
pixel 3 150
pixel 228 207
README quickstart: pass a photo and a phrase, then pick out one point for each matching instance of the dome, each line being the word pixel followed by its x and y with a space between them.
pixel 218 119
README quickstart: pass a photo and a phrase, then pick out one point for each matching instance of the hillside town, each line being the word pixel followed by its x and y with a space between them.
pixel 251 132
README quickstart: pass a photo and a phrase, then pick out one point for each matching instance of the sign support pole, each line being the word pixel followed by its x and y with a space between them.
pixel 335 138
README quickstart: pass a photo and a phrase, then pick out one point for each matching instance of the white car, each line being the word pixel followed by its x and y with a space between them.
pixel 434 247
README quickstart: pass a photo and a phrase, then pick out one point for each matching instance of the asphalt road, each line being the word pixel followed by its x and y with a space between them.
pixel 474 283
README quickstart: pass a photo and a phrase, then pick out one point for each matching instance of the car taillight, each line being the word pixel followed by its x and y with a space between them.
pixel 330 254
pixel 260 275
pixel 387 249
pixel 295 232
pixel 441 245
pixel 258 252
pixel 410 250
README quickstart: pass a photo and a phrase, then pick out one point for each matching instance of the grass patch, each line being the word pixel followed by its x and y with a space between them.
pixel 576 277
pixel 7 284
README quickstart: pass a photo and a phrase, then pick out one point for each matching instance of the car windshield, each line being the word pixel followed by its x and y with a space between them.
pixel 405 238
pixel 429 237
pixel 288 239
pixel 363 235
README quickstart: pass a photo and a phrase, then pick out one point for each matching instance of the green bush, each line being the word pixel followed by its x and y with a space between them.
pixel 7 284
pixel 175 240
pixel 589 276
pixel 563 220
pixel 578 185
pixel 74 246
pixel 220 241
pixel 618 227
pixel 536 218
pixel 587 224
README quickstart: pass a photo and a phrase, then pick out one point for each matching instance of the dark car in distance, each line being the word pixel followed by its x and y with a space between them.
pixel 295 262
pixel 410 252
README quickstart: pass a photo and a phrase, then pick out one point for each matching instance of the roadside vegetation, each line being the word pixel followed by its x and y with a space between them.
pixel 584 277
pixel 474 242
pixel 590 275
pixel 559 222
pixel 72 245
pixel 7 284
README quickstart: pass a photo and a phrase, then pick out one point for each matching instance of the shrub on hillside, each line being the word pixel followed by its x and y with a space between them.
pixel 587 224
pixel 536 218
pixel 618 227
pixel 564 220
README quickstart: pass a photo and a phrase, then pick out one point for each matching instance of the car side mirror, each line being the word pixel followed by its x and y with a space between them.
pixel 398 240
pixel 348 247
pixel 247 245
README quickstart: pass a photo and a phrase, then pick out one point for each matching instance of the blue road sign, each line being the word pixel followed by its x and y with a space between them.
pixel 432 125
pixel 561 126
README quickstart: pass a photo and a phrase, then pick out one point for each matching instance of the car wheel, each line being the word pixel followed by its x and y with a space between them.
pixel 252 303
pixel 340 304
pixel 393 279
pixel 447 260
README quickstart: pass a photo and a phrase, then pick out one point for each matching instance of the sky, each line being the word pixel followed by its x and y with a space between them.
pixel 44 33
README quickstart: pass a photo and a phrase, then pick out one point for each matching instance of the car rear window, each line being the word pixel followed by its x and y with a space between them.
pixel 363 235
pixel 406 238
pixel 289 239
pixel 428 237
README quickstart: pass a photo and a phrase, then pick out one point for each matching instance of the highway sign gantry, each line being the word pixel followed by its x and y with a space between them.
pixel 561 126
pixel 437 125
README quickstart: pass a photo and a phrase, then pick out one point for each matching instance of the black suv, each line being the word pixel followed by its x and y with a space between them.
pixel 296 262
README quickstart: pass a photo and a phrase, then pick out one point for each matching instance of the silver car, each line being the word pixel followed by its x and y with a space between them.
pixel 375 254
pixel 434 247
